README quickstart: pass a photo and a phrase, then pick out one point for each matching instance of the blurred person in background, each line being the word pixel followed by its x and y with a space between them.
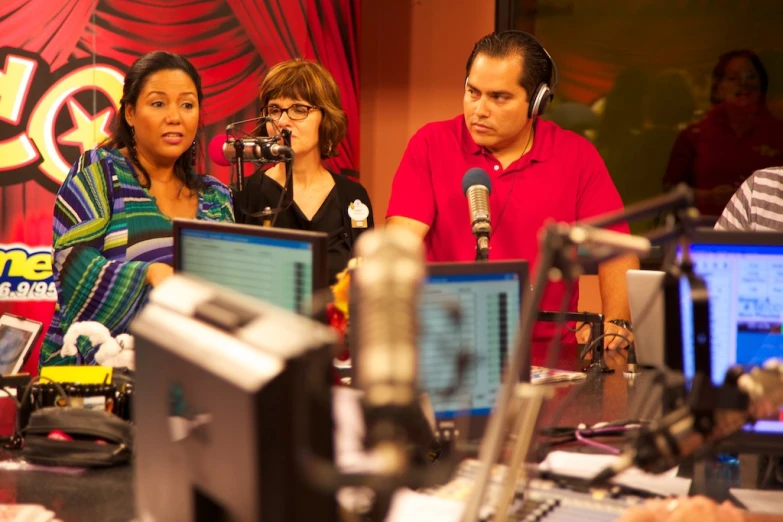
pixel 736 137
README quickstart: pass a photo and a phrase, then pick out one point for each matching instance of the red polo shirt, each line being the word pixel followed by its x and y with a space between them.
pixel 561 178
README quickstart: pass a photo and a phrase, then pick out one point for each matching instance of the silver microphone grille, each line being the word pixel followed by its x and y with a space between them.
pixel 388 282
pixel 478 199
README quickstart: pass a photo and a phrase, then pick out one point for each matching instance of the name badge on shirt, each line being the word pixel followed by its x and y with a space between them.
pixel 359 212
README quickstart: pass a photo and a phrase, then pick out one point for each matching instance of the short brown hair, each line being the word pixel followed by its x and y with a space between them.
pixel 309 81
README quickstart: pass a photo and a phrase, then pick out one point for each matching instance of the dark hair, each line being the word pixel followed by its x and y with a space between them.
pixel 310 81
pixel 671 100
pixel 720 70
pixel 623 108
pixel 536 65
pixel 122 134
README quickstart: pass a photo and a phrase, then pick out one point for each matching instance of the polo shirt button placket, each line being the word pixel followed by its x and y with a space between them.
pixel 497 167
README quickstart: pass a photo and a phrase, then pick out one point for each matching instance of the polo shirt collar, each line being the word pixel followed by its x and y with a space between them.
pixel 543 141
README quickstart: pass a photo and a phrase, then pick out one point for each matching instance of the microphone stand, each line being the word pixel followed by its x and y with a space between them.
pixel 287 197
pixel 239 147
pixel 598 358
pixel 482 247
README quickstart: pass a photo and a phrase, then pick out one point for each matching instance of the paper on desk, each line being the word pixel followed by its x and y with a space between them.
pixel 760 501
pixel 586 465
pixel 410 506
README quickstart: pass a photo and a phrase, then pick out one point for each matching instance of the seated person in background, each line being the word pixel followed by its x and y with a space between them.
pixel 303 97
pixel 539 172
pixel 757 205
pixel 112 218
pixel 736 137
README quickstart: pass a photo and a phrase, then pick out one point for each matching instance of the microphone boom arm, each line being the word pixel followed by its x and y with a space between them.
pixel 557 251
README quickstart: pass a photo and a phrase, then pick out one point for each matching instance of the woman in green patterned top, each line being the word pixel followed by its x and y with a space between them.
pixel 113 214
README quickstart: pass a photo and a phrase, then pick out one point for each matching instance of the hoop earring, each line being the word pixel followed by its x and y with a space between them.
pixel 132 147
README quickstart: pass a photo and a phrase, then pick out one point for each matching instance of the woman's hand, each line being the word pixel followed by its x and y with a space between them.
pixel 157 273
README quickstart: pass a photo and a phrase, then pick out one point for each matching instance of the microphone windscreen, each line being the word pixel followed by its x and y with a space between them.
pixel 476 176
pixel 215 151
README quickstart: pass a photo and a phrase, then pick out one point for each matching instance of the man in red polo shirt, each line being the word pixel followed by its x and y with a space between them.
pixel 538 172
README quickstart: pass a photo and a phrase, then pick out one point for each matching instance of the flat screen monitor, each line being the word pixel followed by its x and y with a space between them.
pixel 744 277
pixel 469 316
pixel 280 266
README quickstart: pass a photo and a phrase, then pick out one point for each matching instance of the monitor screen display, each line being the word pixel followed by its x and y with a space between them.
pixel 280 267
pixel 745 285
pixel 469 316
pixel 744 278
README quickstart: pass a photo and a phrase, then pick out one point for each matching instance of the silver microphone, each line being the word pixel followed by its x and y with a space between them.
pixel 477 187
pixel 385 293
pixel 256 149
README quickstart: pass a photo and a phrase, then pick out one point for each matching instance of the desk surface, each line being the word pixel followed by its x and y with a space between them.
pixel 104 495
pixel 107 495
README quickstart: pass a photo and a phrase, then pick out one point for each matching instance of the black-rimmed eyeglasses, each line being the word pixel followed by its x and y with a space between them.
pixel 297 111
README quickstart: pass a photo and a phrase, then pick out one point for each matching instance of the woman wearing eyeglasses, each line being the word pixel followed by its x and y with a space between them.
pixel 303 97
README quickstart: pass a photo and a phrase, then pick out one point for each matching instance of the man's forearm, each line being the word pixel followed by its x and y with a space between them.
pixel 613 287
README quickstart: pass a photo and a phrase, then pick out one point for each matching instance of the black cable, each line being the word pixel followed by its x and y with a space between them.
pixel 15 441
pixel 289 167
pixel 589 347
pixel 514 180
pixel 562 431
pixel 574 330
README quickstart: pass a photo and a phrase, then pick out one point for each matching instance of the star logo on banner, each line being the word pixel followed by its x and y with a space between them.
pixel 87 130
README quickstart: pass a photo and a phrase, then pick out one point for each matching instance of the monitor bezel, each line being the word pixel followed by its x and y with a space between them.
pixel 318 240
pixel 711 236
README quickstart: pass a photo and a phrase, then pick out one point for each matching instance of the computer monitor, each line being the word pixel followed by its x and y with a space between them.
pixel 229 393
pixel 473 310
pixel 281 266
pixel 743 272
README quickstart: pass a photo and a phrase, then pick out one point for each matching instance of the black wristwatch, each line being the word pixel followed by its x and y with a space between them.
pixel 622 323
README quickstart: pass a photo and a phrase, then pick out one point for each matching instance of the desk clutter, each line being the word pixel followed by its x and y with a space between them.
pixel 115 398
pixel 536 501
pixel 78 424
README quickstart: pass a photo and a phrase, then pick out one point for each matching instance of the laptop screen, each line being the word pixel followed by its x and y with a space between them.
pixel 469 316
pixel 282 267
pixel 744 277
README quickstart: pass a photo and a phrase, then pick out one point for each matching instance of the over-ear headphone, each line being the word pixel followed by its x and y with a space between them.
pixel 544 92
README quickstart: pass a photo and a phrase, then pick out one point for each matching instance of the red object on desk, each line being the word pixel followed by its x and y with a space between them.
pixel 59 435
pixel 7 414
